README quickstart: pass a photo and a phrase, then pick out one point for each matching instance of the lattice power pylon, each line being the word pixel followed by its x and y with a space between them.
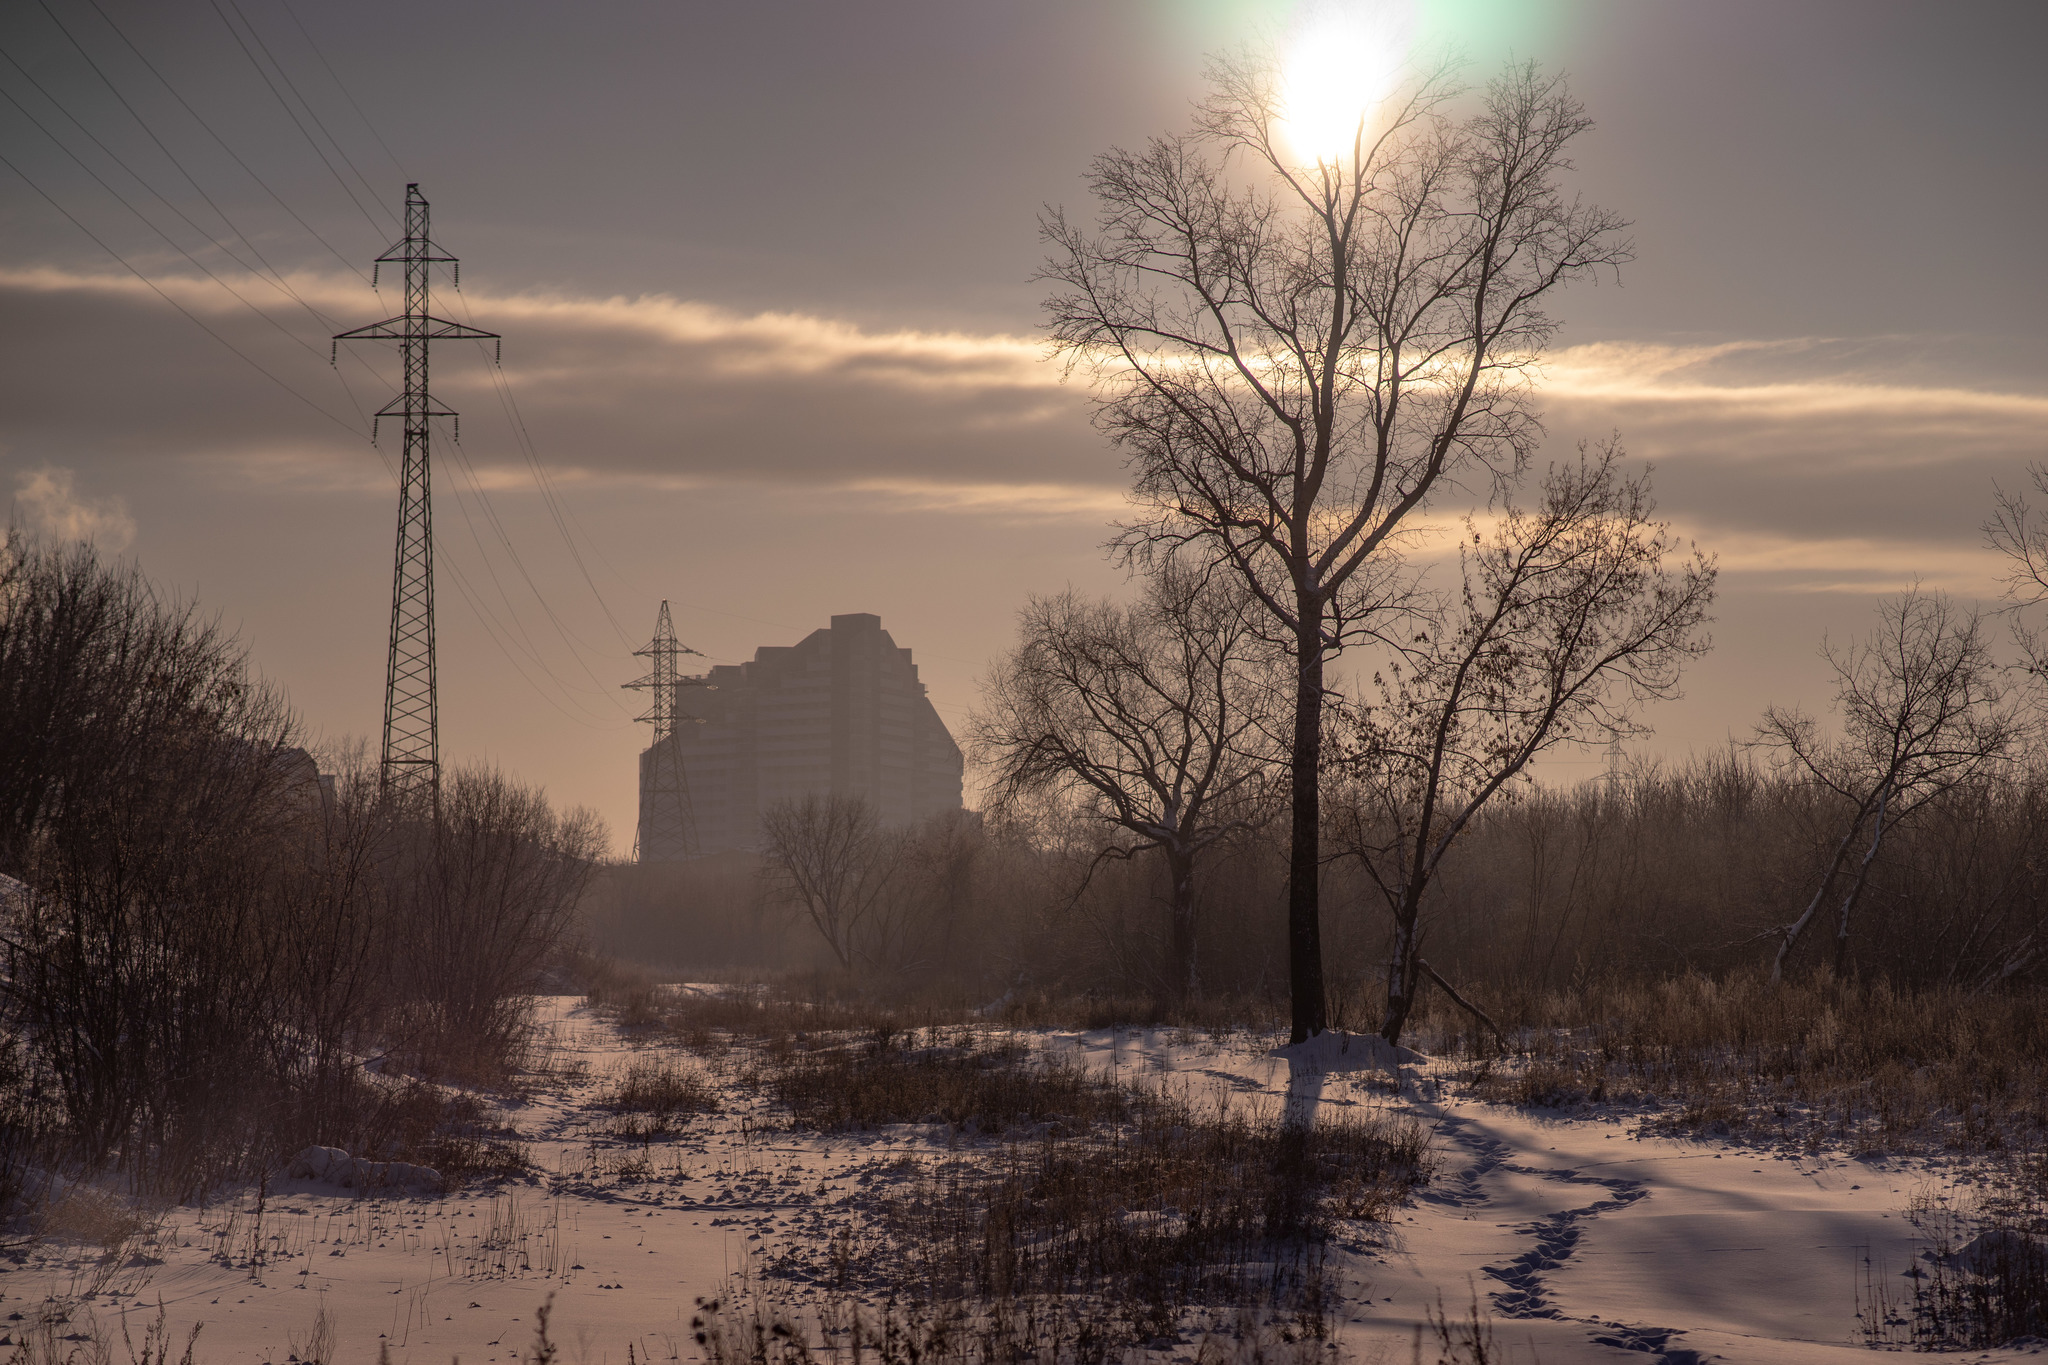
pixel 665 833
pixel 410 765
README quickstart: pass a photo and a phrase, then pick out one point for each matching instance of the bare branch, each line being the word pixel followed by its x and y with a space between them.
pixel 1567 625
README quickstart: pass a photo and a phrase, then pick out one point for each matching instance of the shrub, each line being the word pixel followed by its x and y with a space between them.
pixel 994 1087
pixel 652 1095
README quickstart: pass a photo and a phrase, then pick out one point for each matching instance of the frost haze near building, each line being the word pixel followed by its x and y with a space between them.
pixel 840 713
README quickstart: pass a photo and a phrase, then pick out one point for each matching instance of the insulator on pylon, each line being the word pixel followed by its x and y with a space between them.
pixel 374 268
pixel 373 429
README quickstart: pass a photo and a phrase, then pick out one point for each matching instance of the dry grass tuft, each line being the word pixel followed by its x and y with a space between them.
pixel 627 995
pixel 86 1214
pixel 465 1160
pixel 1821 1061
pixel 779 1011
pixel 750 1327
pixel 653 1095
pixel 1983 1282
pixel 454 1132
pixel 983 1087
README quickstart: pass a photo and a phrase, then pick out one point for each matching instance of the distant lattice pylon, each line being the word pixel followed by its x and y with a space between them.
pixel 665 832
pixel 410 763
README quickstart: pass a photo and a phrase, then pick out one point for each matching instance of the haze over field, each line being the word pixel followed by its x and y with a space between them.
pixel 764 278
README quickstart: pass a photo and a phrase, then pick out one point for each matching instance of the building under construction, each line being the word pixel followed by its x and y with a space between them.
pixel 840 713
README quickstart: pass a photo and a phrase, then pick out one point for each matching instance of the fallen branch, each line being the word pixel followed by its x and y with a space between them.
pixel 1463 1003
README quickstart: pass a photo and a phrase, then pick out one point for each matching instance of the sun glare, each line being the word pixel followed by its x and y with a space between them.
pixel 1343 58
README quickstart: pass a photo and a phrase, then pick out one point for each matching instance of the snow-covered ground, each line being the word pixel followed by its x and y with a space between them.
pixel 1585 1238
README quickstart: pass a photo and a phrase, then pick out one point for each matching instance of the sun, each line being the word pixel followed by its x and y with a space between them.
pixel 1342 58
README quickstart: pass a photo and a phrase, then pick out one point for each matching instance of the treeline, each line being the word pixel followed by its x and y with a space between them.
pixel 1146 804
pixel 213 951
pixel 1654 871
pixel 1697 867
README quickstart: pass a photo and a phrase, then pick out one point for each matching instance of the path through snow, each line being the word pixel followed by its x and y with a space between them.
pixel 1585 1239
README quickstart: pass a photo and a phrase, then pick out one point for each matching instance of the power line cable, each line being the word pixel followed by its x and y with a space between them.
pixel 278 282
pixel 550 498
pixel 297 122
pixel 502 636
pixel 530 648
pixel 468 471
pixel 144 218
pixel 469 595
pixel 311 112
pixel 390 155
pixel 189 316
pixel 282 284
pixel 558 510
pixel 247 169
pixel 170 156
pixel 570 693
pixel 483 499
pixel 576 645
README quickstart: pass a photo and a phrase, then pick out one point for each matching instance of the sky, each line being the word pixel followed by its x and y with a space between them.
pixel 772 348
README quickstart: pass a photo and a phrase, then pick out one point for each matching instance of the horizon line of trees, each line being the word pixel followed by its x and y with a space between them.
pixel 1654 870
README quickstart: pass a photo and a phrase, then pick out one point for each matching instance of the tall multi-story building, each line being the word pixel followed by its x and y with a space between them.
pixel 841 713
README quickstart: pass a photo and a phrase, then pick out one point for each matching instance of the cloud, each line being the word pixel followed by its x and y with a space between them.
pixel 1852 564
pixel 1011 501
pixel 653 388
pixel 47 500
pixel 1746 401
pixel 1853 451
pixel 1817 442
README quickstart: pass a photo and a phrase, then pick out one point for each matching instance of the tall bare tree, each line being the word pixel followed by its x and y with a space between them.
pixel 1923 710
pixel 830 858
pixel 1153 722
pixel 1568 623
pixel 1294 357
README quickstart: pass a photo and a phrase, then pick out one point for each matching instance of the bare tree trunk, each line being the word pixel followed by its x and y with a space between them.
pixel 1304 920
pixel 1798 927
pixel 837 937
pixel 1404 965
pixel 1186 971
pixel 1862 879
